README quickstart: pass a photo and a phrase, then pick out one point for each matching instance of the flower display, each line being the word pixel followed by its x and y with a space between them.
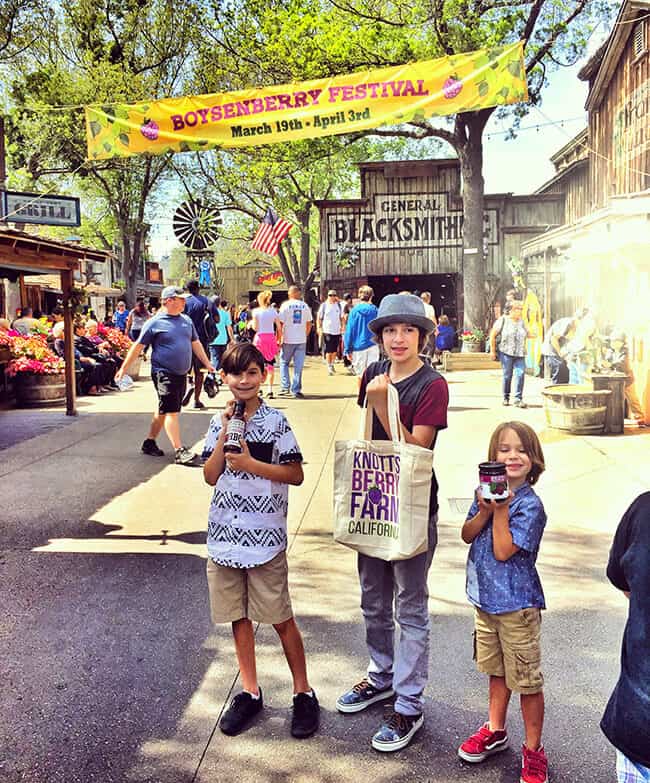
pixel 32 355
pixel 473 336
pixel 118 341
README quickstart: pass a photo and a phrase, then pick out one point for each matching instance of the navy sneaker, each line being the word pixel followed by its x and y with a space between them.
pixel 362 695
pixel 396 731
pixel 306 715
pixel 243 708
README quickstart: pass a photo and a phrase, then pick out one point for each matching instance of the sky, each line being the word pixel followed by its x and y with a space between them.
pixel 519 165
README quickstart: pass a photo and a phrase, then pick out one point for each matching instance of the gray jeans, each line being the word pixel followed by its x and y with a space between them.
pixel 402 584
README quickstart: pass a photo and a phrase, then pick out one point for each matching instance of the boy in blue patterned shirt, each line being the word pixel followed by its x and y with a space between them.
pixel 505 589
pixel 247 538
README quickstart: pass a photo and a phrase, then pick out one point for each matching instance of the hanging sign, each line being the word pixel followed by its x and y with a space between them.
pixel 322 107
pixel 269 278
pixel 48 210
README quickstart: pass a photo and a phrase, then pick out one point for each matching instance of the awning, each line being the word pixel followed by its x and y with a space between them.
pixel 48 282
pixel 53 283
pixel 623 225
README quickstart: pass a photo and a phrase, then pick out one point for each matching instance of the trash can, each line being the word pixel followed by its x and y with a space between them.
pixel 614 382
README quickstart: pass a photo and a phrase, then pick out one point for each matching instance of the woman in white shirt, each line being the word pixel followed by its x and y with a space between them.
pixel 265 323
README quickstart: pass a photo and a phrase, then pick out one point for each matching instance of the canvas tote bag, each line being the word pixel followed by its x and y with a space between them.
pixel 381 490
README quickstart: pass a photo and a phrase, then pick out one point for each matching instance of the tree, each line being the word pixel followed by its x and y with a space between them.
pixel 298 39
pixel 101 51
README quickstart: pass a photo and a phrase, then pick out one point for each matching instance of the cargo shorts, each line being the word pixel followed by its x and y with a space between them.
pixel 508 645
pixel 260 594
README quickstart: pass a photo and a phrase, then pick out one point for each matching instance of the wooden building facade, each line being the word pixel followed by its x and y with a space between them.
pixel 600 256
pixel 406 232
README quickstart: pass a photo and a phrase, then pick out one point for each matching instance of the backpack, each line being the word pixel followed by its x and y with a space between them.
pixel 209 325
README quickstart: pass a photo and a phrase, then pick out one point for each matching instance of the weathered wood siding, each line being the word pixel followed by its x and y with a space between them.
pixel 619 130
pixel 408 221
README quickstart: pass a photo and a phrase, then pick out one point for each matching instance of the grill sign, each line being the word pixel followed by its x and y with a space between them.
pixel 19 207
pixel 408 220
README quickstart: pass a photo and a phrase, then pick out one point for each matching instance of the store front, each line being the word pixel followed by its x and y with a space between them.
pixel 24 254
pixel 405 232
pixel 600 256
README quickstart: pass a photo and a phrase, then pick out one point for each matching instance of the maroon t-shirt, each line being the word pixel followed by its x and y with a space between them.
pixel 423 399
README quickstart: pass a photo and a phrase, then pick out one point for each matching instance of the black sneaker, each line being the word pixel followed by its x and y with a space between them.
pixel 243 708
pixel 298 396
pixel 396 731
pixel 188 396
pixel 306 714
pixel 149 447
pixel 185 457
pixel 198 405
pixel 362 695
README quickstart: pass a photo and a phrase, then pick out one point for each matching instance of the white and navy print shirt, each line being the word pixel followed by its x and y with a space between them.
pixel 247 521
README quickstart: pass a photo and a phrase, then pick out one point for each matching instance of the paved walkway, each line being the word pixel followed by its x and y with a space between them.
pixel 112 672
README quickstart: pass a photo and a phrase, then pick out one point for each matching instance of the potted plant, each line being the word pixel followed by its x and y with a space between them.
pixel 38 373
pixel 472 340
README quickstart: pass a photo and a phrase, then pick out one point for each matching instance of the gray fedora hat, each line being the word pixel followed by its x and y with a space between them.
pixel 401 309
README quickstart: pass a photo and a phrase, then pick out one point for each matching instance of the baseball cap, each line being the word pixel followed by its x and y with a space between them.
pixel 331 292
pixel 171 291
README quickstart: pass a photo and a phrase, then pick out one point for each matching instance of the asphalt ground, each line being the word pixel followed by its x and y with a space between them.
pixel 111 671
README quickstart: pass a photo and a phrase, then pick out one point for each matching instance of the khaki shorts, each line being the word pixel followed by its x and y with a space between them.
pixel 260 594
pixel 508 645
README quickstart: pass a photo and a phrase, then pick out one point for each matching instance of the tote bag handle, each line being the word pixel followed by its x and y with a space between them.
pixel 365 424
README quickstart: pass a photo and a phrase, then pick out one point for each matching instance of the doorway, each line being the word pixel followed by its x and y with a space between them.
pixel 442 287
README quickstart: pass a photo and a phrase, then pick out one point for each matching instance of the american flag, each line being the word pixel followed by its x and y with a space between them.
pixel 272 231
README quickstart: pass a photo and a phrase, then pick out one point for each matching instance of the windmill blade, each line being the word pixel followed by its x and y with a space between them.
pixel 196 225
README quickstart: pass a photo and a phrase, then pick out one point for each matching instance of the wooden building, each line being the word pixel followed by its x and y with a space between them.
pixel 600 255
pixel 406 232
pixel 241 284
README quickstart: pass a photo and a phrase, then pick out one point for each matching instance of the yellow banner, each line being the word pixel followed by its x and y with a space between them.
pixel 322 107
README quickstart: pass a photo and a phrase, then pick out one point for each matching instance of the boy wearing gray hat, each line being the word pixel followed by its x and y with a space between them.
pixel 402 328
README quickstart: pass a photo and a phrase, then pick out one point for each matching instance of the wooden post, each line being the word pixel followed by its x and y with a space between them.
pixel 547 302
pixel 70 375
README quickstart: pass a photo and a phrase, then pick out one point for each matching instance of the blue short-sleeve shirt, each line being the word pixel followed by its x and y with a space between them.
pixel 171 338
pixel 497 586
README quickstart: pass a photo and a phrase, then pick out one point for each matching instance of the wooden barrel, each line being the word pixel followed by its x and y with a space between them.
pixel 580 410
pixel 615 382
pixel 35 391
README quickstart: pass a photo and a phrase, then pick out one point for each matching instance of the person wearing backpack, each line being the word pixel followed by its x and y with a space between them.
pixel 196 307
pixel 329 323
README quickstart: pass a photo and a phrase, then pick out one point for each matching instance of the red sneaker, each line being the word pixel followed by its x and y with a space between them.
pixel 534 766
pixel 482 744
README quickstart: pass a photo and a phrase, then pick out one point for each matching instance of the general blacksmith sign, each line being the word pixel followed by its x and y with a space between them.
pixel 410 220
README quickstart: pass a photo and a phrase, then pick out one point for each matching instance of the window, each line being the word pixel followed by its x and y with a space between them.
pixel 639 38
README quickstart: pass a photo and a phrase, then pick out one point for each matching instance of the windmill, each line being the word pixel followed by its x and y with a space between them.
pixel 196 225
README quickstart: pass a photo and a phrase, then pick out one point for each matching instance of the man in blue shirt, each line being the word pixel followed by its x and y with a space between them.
pixel 174 341
pixel 358 341
pixel 196 306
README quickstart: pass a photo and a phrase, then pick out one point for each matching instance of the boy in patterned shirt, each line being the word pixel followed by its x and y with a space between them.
pixel 247 538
